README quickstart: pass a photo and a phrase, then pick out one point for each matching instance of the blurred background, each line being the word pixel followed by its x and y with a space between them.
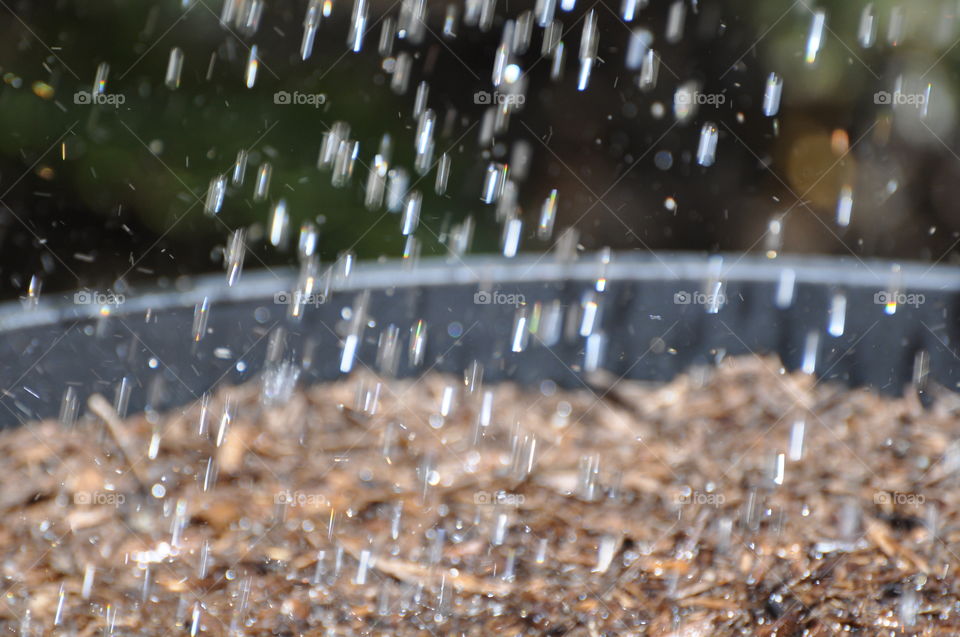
pixel 860 157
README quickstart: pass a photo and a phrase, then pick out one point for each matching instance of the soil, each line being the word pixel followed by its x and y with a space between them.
pixel 379 507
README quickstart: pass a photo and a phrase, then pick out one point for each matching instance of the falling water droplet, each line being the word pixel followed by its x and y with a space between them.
pixel 418 343
pixel 588 481
pixel 908 607
pixel 649 71
pixel 629 9
pixel 201 314
pixel 785 288
pixel 493 182
pixel 69 407
pixel 520 332
pixel 100 80
pixel 589 42
pixel 195 620
pixel 402 70
pixel 774 238
pixel 398 181
pixel 358 25
pixel 450 21
pixel 551 38
pixel 33 292
pixel 365 562
pixel 248 20
pixel 921 369
pixel 461 237
pixel 605 553
pixel 311 22
pixel 204 562
pixel 420 99
pixel 522 33
pixel 796 440
pixel 89 574
pixel 512 232
pixel 815 38
pixel 121 398
pixel 215 195
pixel 344 162
pixel 545 10
pixel 590 311
pixel 890 297
pixel 239 167
pixel 593 351
pixel 443 174
pixel 811 348
pixel 500 59
pixel 640 42
pixel 548 216
pixel 376 182
pixel 330 144
pixel 675 22
pixel 424 142
pixel 61 598
pixel 354 336
pixel 235 252
pixel 556 64
pixel 411 213
pixel 174 69
pixel 447 400
pixel 895 27
pixel 262 186
pixel 253 63
pixel 838 314
pixel 707 148
pixel 279 224
pixel 779 469
pixel 685 101
pixel 307 244
pixel 228 12
pixel 845 206
pixel 773 91
pixel 867 30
